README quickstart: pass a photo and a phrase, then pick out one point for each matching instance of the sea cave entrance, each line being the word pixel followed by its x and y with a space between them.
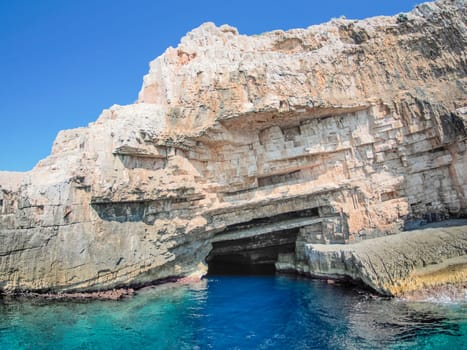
pixel 252 255
pixel 253 247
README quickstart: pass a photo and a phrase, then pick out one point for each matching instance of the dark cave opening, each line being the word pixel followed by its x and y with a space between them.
pixel 251 256
pixel 254 246
pixel 219 267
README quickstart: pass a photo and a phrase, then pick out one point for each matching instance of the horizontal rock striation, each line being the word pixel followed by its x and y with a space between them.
pixel 259 145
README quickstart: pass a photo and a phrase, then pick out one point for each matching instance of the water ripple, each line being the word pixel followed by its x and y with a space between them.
pixel 235 312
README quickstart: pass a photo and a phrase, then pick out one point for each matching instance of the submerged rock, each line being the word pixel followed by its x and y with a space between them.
pixel 248 149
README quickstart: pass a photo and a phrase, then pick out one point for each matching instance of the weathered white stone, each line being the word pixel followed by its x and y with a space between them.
pixel 396 264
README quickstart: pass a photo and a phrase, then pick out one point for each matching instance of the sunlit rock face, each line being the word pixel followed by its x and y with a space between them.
pixel 399 264
pixel 330 134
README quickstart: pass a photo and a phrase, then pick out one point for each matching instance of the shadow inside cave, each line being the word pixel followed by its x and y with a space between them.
pixel 219 268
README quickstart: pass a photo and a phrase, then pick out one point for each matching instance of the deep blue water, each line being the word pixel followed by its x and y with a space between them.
pixel 235 312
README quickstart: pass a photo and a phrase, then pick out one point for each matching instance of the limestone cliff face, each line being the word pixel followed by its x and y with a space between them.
pixel 248 148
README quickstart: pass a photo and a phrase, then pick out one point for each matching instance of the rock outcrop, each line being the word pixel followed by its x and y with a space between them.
pixel 244 149
pixel 396 264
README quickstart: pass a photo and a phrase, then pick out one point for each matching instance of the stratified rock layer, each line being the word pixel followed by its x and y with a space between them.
pixel 248 149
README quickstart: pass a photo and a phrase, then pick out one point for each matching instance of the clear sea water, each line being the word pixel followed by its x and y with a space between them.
pixel 235 312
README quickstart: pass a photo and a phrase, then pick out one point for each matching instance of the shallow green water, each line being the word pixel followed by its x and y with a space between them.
pixel 235 312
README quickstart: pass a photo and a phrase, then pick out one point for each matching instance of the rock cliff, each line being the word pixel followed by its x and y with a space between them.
pixel 244 149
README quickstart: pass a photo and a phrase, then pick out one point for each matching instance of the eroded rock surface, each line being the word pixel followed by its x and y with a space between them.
pixel 329 134
pixel 395 265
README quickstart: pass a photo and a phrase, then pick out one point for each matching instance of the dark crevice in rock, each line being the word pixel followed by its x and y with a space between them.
pixel 453 126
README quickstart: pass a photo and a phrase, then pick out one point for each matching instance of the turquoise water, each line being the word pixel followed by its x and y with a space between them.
pixel 235 312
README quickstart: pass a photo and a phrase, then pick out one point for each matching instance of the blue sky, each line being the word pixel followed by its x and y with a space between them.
pixel 63 61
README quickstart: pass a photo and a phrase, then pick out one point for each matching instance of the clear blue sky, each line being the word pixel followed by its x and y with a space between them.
pixel 63 61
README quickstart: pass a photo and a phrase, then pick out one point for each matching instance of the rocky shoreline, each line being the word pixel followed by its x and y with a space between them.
pixel 113 294
pixel 412 265
pixel 389 266
pixel 109 294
